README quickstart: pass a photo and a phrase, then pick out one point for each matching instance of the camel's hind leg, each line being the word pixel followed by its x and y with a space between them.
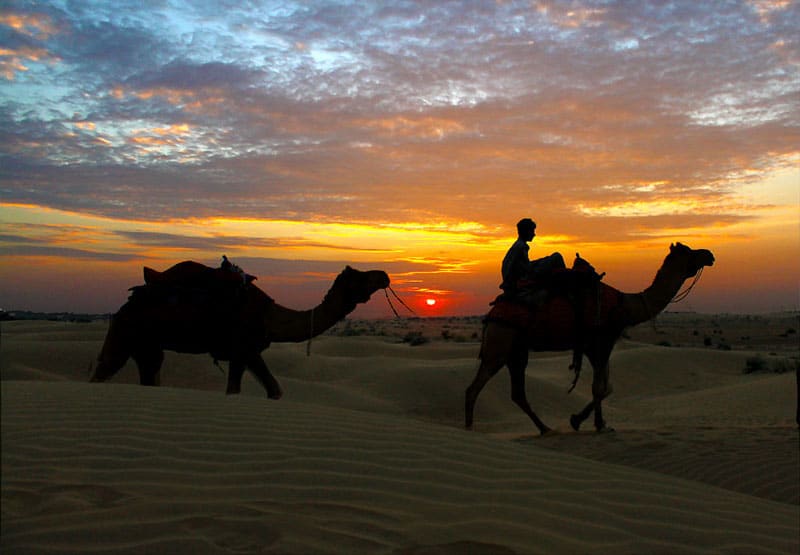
pixel 496 349
pixel 259 368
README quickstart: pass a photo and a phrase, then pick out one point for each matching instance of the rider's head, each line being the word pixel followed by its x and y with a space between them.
pixel 526 229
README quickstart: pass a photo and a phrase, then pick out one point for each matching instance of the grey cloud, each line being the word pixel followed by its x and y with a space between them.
pixel 222 243
pixel 61 252
pixel 192 76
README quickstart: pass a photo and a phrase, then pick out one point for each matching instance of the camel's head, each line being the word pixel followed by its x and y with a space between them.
pixel 357 286
pixel 690 260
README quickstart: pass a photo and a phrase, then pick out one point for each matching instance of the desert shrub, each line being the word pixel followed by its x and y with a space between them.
pixel 350 331
pixel 777 365
pixel 784 365
pixel 415 338
pixel 755 364
pixel 707 341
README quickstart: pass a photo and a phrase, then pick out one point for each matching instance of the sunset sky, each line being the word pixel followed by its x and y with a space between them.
pixel 300 137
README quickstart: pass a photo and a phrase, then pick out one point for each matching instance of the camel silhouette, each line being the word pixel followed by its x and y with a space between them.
pixel 553 328
pixel 192 308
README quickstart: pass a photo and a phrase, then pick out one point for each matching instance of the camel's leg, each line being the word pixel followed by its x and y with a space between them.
pixel 516 367
pixel 107 367
pixel 235 373
pixel 114 354
pixel 259 368
pixel 601 388
pixel 487 370
pixel 496 348
pixel 149 360
pixel 577 419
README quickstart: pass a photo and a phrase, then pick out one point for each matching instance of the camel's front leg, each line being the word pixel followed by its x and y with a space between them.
pixel 601 388
pixel 235 373
pixel 259 368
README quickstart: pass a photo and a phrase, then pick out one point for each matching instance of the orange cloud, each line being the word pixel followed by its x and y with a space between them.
pixel 12 61
pixel 33 25
pixel 37 26
pixel 426 127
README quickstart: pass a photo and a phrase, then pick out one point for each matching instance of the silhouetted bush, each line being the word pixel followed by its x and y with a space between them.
pixel 755 364
pixel 415 338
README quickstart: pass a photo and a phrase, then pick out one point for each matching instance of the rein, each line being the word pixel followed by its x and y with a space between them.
pixel 389 300
pixel 310 334
pixel 685 293
pixel 676 299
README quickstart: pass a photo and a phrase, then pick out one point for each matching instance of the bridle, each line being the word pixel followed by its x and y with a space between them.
pixel 389 300
pixel 685 293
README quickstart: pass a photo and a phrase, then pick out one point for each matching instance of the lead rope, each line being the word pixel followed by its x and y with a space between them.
pixel 685 293
pixel 389 300
pixel 310 335
pixel 677 298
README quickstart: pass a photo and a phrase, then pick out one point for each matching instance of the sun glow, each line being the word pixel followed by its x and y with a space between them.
pixel 430 302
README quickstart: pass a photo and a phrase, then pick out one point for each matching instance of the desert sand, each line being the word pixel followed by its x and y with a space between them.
pixel 366 452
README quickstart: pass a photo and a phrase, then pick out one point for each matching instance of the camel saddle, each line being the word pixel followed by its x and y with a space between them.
pixel 574 284
pixel 576 294
pixel 194 282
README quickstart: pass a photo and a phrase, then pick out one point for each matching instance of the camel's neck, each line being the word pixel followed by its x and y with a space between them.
pixel 287 325
pixel 644 306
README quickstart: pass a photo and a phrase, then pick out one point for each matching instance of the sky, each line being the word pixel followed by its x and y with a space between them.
pixel 300 137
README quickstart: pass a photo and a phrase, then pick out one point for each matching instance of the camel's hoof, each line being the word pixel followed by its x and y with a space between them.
pixel 547 432
pixel 275 395
pixel 575 422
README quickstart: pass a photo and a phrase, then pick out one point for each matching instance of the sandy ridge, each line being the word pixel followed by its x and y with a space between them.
pixel 128 469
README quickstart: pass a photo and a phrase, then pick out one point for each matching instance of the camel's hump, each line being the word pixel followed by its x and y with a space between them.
pixel 151 275
pixel 179 273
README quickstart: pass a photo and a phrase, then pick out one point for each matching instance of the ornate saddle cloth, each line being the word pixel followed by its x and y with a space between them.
pixel 508 312
pixel 578 289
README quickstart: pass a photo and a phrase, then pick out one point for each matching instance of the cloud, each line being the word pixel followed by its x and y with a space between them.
pixel 340 112
pixel 27 250
pixel 230 242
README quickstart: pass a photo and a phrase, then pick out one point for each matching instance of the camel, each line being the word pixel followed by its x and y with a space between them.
pixel 191 308
pixel 553 328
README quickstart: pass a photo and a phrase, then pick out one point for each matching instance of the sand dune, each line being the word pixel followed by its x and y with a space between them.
pixel 366 454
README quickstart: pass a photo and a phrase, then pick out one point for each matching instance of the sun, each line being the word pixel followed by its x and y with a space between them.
pixel 430 302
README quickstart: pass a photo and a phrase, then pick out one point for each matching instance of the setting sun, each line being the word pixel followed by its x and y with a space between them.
pixel 430 302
